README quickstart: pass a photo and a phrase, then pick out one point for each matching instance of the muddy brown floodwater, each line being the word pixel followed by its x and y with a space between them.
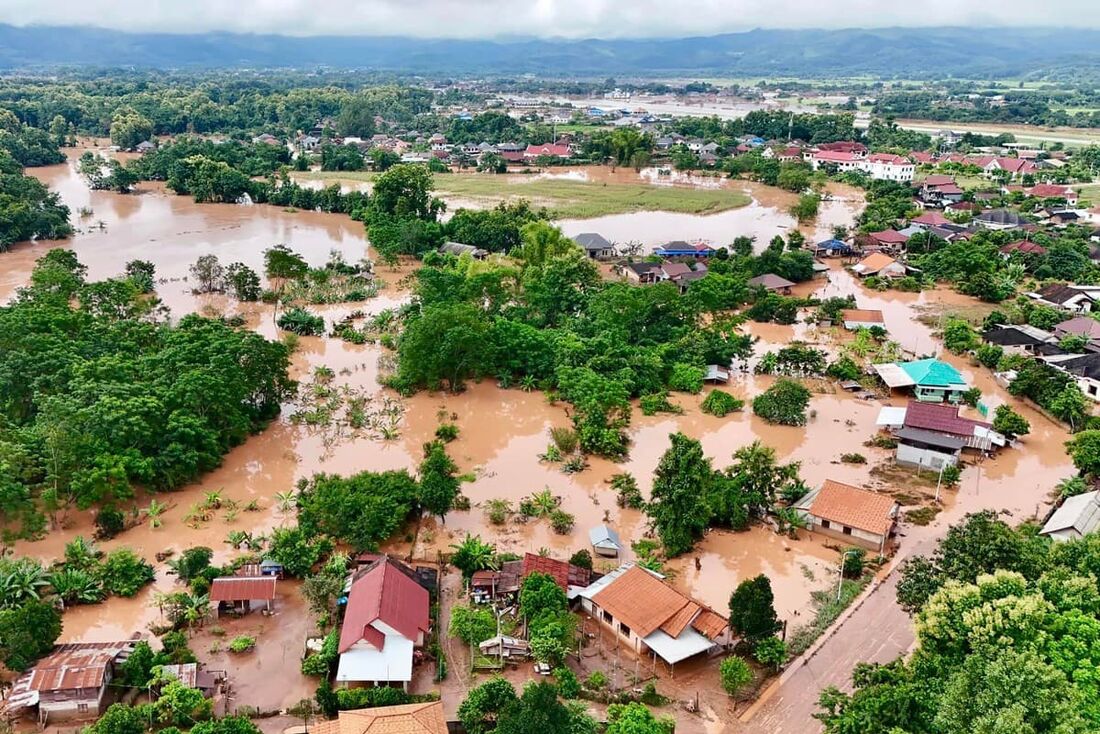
pixel 502 432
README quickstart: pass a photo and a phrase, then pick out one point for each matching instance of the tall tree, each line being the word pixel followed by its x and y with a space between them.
pixel 438 480
pixel 678 508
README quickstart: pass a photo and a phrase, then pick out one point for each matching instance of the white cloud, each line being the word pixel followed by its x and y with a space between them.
pixel 543 18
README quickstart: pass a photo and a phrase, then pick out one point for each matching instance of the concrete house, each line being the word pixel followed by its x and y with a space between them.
pixel 772 283
pixel 849 513
pixel 1018 338
pixel 386 619
pixel 927 449
pixel 930 379
pixel 650 617
pixel 858 318
pixel 1083 368
pixel 879 264
pixel 998 219
pixel 1066 297
pixel 1077 517
pixel 596 245
pixel 944 420
pixel 1082 326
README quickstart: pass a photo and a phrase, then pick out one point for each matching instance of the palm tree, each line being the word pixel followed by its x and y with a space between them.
pixel 77 586
pixel 285 501
pixel 473 554
pixel 196 607
pixel 81 553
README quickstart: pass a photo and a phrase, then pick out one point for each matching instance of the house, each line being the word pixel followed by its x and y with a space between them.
pixel 684 280
pixel 648 616
pixel 237 593
pixel 998 219
pixel 927 449
pixel 1053 191
pixel 386 619
pixel 1018 338
pixel 1066 297
pixel 845 146
pixel 928 219
pixel 145 146
pixel 505 648
pixel 605 541
pixel 565 574
pixel 1061 218
pixel 409 718
pixel 1083 368
pixel 879 264
pixel 944 420
pixel 1084 326
pixel 849 513
pixel 71 682
pixel 772 283
pixel 930 379
pixel 642 272
pixel 1078 516
pixel 194 676
pixel 886 239
pixel 858 318
pixel 551 150
pixel 888 167
pixel 960 207
pixel 679 248
pixel 1024 247
pixel 831 248
pixel 597 247
pixel 459 249
pixel 673 270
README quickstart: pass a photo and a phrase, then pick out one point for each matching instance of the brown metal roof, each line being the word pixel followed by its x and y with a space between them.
pixel 566 574
pixel 861 314
pixel 76 665
pixel 242 588
pixel 854 507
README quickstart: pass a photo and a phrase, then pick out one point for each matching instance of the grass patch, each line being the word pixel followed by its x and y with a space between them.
pixel 569 199
pixel 922 515
pixel 827 609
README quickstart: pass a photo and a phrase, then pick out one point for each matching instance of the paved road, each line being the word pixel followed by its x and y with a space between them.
pixel 878 631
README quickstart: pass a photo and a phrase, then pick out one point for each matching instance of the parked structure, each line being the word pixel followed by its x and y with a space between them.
pixel 236 594
pixel 387 617
pixel 605 541
pixel 850 514
pixel 649 616
pixel 1078 516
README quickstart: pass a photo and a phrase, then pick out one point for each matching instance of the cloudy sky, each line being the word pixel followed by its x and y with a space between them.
pixel 547 18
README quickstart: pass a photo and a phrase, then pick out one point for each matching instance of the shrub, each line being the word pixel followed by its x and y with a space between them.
pixel 566 439
pixel 446 432
pixel 959 336
pixel 972 396
pixel 315 666
pixel 472 625
pixel 242 643
pixel 109 522
pixel 734 674
pixel 784 403
pixel 771 651
pixel 853 458
pixel 561 521
pixel 626 489
pixel 596 681
pixel 844 368
pixel 854 559
pixel 123 572
pixel 989 355
pixel 720 403
pixel 299 321
pixel 951 475
pixel 568 685
pixel 657 403
pixel 582 559
pixel 498 510
pixel 686 378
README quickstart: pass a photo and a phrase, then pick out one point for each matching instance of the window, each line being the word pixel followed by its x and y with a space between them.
pixel 824 523
pixel 607 617
pixel 847 530
pixel 82 708
pixel 624 630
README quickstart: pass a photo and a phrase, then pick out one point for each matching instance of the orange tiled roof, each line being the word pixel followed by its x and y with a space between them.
pixel 413 718
pixel 854 507
pixel 675 624
pixel 710 623
pixel 644 603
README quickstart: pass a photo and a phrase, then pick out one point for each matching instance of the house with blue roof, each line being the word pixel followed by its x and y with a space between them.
pixel 679 248
pixel 930 380
pixel 832 248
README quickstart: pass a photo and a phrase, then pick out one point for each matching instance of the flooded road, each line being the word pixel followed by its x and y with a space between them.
pixel 501 432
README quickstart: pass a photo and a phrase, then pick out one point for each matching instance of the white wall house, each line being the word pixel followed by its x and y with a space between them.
pixel 850 514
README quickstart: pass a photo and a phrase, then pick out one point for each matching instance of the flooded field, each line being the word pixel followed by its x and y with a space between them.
pixel 502 432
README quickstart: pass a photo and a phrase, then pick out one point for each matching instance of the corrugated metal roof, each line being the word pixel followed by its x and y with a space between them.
pixel 565 574
pixel 411 718
pixel 931 438
pixel 242 588
pixel 383 592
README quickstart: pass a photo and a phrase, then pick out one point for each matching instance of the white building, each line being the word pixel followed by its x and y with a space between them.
pixel 850 514
pixel 880 166
pixel 1077 517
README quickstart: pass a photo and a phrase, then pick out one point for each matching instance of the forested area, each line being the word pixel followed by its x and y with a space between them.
pixel 27 208
pixel 1008 640
pixel 1017 107
pixel 97 395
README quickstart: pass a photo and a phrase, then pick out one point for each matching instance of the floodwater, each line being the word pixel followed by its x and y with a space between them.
pixel 502 432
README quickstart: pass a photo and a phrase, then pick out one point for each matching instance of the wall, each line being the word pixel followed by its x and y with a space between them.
pixel 857 536
pixel 915 456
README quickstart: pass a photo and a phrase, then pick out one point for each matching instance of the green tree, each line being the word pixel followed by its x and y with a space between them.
pixel 473 554
pixel 403 191
pixel 472 625
pixel 784 403
pixel 129 128
pixel 1009 422
pixel 1084 449
pixel 180 705
pixel 536 710
pixel 734 674
pixel 635 718
pixel 678 508
pixel 120 718
pixel 27 632
pixel 483 706
pixel 442 345
pixel 752 609
pixel 438 480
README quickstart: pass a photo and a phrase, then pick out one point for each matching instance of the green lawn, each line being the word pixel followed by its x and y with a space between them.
pixel 569 199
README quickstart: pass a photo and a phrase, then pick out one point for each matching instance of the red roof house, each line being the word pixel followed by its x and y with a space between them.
pixel 1053 191
pixel 930 219
pixel 565 574
pixel 1024 246
pixel 550 149
pixel 386 618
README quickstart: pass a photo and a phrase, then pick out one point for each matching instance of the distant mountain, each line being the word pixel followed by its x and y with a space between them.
pixel 904 52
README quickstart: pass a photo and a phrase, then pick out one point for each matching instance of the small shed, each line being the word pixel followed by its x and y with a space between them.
pixel 717 373
pixel 508 648
pixel 237 593
pixel 605 541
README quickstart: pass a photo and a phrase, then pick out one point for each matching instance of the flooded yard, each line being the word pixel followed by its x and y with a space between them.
pixel 501 432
